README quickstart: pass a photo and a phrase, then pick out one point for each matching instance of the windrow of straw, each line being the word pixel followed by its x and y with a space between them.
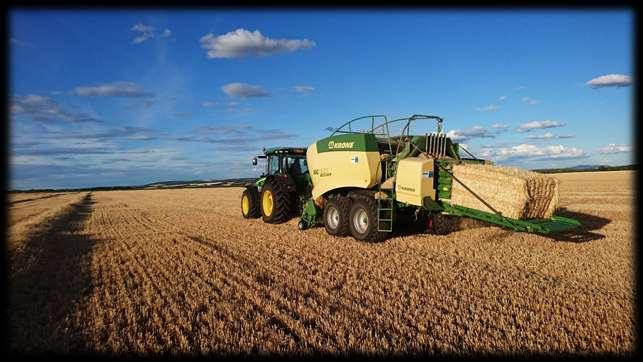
pixel 516 193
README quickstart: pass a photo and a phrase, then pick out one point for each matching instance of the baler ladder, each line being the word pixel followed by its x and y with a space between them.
pixel 385 214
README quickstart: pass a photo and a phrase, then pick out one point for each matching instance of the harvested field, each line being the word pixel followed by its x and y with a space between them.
pixel 27 210
pixel 180 271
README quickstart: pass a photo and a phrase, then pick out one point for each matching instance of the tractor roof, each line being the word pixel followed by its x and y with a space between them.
pixel 285 151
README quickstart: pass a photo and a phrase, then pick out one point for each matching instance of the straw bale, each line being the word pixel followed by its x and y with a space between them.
pixel 516 193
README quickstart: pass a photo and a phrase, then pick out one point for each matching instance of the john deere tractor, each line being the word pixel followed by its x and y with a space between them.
pixel 277 195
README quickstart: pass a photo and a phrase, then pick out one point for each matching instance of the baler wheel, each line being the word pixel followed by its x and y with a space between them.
pixel 336 218
pixel 363 220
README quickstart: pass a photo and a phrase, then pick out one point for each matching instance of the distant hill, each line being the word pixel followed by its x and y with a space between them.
pixel 587 168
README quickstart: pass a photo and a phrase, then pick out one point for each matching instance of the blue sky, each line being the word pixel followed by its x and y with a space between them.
pixel 131 97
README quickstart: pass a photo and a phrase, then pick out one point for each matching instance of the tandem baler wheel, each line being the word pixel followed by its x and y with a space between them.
pixel 363 220
pixel 336 217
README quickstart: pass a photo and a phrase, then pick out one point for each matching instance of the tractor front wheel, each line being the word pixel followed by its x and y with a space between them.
pixel 250 203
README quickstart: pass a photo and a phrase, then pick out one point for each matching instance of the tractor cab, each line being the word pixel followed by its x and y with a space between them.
pixel 275 195
pixel 284 160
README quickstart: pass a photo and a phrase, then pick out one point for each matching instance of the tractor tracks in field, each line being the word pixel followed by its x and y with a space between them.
pixel 11 203
pixel 49 281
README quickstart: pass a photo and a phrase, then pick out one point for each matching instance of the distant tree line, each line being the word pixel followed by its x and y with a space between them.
pixel 589 169
pixel 164 184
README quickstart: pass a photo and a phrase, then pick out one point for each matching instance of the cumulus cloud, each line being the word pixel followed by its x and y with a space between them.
pixel 303 89
pixel 528 126
pixel 530 101
pixel 243 43
pixel 549 136
pixel 535 152
pixel 610 80
pixel 144 32
pixel 166 33
pixel 116 89
pixel 466 134
pixel 489 108
pixel 244 90
pixel 502 98
pixel 614 148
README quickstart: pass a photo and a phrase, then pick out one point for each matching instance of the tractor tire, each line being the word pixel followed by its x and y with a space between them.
pixel 250 203
pixel 336 218
pixel 277 205
pixel 363 220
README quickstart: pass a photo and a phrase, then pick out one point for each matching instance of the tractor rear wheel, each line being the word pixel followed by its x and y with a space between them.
pixel 363 220
pixel 250 203
pixel 277 205
pixel 336 217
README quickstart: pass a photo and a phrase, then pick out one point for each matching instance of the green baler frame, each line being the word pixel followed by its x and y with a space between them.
pixel 540 226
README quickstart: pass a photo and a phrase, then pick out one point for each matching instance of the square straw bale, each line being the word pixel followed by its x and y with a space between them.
pixel 516 193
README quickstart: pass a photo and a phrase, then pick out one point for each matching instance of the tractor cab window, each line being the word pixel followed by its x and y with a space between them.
pixel 273 165
pixel 303 165
pixel 295 165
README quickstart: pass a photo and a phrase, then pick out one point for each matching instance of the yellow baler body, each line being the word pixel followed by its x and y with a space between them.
pixel 350 160
pixel 414 180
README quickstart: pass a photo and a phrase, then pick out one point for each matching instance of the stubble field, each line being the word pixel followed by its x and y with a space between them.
pixel 180 271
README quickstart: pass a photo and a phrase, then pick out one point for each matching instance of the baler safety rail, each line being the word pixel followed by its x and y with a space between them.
pixel 555 224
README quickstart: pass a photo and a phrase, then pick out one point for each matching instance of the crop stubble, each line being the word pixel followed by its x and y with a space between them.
pixel 181 271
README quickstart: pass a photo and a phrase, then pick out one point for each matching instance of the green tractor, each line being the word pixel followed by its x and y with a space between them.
pixel 276 195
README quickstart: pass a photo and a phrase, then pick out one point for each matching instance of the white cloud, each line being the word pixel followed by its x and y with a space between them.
pixel 304 89
pixel 489 108
pixel 502 98
pixel 521 87
pixel 532 151
pixel 244 90
pixel 144 32
pixel 499 126
pixel 610 80
pixel 115 89
pixel 242 43
pixel 209 104
pixel 473 132
pixel 528 126
pixel 530 101
pixel 166 33
pixel 485 152
pixel 41 108
pixel 614 148
pixel 548 136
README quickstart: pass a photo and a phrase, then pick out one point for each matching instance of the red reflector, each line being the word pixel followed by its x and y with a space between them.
pixel 429 223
